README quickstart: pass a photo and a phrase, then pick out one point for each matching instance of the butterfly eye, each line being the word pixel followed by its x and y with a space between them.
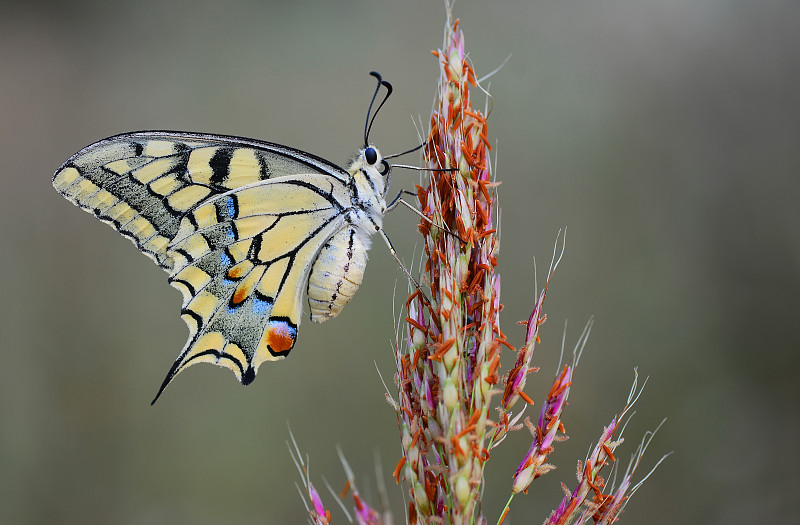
pixel 371 155
pixel 384 168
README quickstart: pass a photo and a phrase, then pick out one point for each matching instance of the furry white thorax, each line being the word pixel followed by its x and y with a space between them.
pixel 369 189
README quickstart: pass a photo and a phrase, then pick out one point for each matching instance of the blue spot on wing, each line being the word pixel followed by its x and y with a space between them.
pixel 231 206
pixel 282 327
pixel 261 305
pixel 225 262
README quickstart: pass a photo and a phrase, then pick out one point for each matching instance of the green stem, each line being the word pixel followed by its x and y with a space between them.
pixel 505 509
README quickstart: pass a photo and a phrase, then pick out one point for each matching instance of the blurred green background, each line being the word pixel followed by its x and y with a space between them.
pixel 663 133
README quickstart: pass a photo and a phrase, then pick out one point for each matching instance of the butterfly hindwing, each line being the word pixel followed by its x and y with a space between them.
pixel 242 259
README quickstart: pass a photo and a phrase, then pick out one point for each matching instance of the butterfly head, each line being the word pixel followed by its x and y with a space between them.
pixel 373 159
pixel 370 173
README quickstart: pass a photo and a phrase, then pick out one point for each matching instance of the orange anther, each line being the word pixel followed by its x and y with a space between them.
pixel 416 325
pixel 524 396
pixel 398 468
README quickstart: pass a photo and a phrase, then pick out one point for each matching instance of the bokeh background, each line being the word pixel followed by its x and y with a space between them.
pixel 663 133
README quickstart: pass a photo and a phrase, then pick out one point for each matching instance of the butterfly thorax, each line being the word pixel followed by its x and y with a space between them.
pixel 369 181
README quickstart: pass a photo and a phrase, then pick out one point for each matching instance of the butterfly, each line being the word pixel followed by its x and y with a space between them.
pixel 244 228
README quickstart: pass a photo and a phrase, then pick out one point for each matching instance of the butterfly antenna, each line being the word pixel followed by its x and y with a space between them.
pixel 371 102
pixel 368 123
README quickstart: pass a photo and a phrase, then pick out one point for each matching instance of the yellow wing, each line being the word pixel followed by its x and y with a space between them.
pixel 236 222
pixel 242 261
pixel 143 183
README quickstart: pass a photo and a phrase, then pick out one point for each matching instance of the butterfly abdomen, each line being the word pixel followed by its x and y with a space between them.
pixel 337 273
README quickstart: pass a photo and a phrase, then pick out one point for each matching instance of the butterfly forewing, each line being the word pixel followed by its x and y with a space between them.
pixel 243 227
pixel 143 183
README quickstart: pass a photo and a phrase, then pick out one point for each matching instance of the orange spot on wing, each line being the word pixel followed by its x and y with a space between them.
pixel 240 294
pixel 281 336
pixel 236 272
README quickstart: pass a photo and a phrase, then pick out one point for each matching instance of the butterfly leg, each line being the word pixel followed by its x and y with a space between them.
pixel 397 257
pixel 399 200
pixel 399 262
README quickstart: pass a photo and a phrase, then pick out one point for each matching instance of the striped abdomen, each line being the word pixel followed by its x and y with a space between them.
pixel 337 274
